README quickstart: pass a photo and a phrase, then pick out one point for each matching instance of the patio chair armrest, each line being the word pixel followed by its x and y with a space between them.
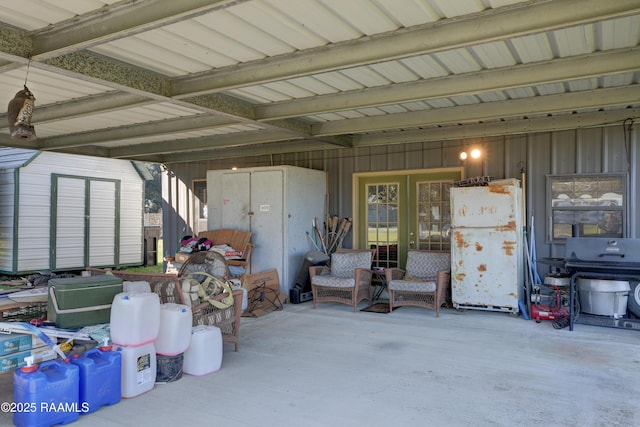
pixel 363 276
pixel 316 270
pixel 394 273
pixel 443 280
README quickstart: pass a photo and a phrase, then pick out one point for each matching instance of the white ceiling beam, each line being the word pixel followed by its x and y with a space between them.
pixel 581 67
pixel 83 107
pixel 507 127
pixel 600 98
pixel 301 146
pixel 132 132
pixel 241 139
pixel 117 21
pixel 496 24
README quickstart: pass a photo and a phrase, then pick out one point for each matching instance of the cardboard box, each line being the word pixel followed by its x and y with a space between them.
pixel 181 257
pixel 82 301
pixel 263 293
pixel 13 343
pixel 43 353
pixel 268 278
pixel 13 361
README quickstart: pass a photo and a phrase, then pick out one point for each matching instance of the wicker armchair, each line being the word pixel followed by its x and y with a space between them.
pixel 237 239
pixel 346 281
pixel 204 313
pixel 424 283
pixel 170 288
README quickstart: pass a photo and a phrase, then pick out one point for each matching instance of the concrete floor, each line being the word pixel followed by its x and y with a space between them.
pixel 331 366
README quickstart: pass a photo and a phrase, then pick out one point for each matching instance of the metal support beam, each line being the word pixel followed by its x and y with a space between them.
pixel 522 107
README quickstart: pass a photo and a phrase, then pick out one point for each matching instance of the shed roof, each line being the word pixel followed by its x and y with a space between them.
pixel 13 158
pixel 171 81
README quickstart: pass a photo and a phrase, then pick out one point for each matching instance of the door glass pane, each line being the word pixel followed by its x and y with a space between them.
pixel 434 215
pixel 382 223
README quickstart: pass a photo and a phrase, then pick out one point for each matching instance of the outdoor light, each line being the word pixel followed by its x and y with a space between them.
pixel 475 154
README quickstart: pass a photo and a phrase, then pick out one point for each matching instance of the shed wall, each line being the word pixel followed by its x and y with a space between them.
pixel 33 226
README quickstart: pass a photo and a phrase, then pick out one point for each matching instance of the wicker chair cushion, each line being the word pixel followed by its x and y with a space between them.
pixel 425 265
pixel 333 281
pixel 412 286
pixel 344 264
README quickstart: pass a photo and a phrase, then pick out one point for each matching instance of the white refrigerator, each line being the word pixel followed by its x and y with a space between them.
pixel 487 248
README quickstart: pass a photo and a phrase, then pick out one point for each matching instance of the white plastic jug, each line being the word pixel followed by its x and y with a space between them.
pixel 204 354
pixel 175 329
pixel 139 368
pixel 135 318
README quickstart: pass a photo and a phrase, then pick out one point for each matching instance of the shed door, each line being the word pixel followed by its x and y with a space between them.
pixel 84 228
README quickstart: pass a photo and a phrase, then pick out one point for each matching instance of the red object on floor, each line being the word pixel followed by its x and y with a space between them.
pixel 543 312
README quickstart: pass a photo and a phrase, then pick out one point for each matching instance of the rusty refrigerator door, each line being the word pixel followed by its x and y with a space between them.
pixel 487 258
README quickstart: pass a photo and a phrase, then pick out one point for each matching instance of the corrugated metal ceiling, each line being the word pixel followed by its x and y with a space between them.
pixel 166 81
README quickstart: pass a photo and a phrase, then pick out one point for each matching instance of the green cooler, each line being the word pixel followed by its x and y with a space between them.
pixel 82 301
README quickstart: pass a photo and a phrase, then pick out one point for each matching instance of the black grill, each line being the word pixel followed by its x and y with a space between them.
pixel 605 258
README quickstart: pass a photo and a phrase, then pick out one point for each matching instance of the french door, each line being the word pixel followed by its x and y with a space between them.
pixel 401 211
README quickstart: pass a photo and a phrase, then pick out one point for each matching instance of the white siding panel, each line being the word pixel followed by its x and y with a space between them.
pixel 69 223
pixel 102 222
pixel 7 185
pixel 131 220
